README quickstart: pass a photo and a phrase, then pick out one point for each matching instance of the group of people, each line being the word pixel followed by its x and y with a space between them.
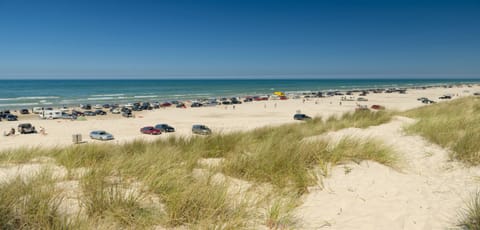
pixel 12 132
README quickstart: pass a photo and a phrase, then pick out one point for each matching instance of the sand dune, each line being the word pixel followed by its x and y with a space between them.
pixel 426 193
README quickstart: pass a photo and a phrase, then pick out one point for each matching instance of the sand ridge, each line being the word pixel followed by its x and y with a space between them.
pixel 425 194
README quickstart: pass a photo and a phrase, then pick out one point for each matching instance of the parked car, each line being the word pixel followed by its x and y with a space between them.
pixel 127 113
pixel 150 130
pixel 234 101
pixel 11 117
pixel 106 106
pixel 90 113
pixel 445 97
pixel 165 128
pixel 86 106
pixel 101 135
pixel 165 104
pixel 116 110
pixel 201 129
pixel 24 111
pixel 100 112
pixel 77 113
pixel 68 116
pixel 378 107
pixel 301 117
pixel 196 104
pixel 427 101
pixel 26 128
pixel 98 106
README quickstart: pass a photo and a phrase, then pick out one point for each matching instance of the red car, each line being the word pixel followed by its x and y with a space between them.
pixel 150 130
pixel 166 104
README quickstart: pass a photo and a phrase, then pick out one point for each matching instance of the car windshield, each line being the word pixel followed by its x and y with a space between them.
pixel 102 133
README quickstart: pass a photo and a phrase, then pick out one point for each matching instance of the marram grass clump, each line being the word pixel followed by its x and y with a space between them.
pixel 470 215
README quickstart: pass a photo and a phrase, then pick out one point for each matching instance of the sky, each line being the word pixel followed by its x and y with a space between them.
pixel 239 38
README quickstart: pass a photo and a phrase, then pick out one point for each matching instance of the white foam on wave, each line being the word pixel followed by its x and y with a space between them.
pixel 28 98
pixel 150 96
pixel 99 98
pixel 18 104
pixel 108 95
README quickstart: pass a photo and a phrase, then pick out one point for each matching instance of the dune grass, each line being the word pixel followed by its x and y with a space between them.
pixel 164 168
pixel 454 125
pixel 470 215
pixel 32 204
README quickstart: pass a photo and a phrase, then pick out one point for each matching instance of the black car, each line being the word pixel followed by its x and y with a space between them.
pixel 127 113
pixel 100 112
pixel 165 128
pixel 90 113
pixel 4 113
pixel 24 111
pixel 77 113
pixel 106 106
pixel 196 104
pixel 301 117
pixel 137 108
pixel 11 117
pixel 235 101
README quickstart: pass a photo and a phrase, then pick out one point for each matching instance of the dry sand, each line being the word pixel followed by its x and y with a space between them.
pixel 221 119
pixel 426 194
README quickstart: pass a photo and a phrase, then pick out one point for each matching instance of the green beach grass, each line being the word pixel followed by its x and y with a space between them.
pixel 454 125
pixel 277 156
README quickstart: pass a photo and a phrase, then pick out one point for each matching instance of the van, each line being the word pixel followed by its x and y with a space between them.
pixel 51 114
pixel 37 110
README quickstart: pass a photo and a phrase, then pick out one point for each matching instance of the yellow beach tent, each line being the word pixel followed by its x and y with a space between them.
pixel 278 93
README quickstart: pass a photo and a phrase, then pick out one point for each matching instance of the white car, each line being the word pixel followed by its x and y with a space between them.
pixel 101 135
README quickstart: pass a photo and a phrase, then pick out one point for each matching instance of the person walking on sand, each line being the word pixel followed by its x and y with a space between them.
pixel 42 131
pixel 233 107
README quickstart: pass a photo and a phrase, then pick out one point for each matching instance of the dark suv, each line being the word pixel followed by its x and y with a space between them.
pixel 301 117
pixel 26 128
pixel 201 129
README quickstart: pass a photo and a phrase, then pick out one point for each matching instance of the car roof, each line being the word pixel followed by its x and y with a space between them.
pixel 99 131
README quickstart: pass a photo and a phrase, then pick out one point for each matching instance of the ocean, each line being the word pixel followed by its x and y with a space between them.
pixel 45 93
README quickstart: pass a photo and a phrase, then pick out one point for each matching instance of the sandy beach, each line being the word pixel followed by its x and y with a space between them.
pixel 244 117
pixel 425 193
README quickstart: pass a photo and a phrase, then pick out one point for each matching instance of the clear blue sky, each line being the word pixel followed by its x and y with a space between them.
pixel 231 38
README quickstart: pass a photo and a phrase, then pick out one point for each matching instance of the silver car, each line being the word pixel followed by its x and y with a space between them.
pixel 101 135
pixel 201 129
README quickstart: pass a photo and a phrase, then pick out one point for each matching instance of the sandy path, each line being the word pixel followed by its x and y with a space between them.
pixel 427 194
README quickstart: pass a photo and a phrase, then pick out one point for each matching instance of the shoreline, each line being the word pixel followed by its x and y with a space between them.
pixel 30 101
